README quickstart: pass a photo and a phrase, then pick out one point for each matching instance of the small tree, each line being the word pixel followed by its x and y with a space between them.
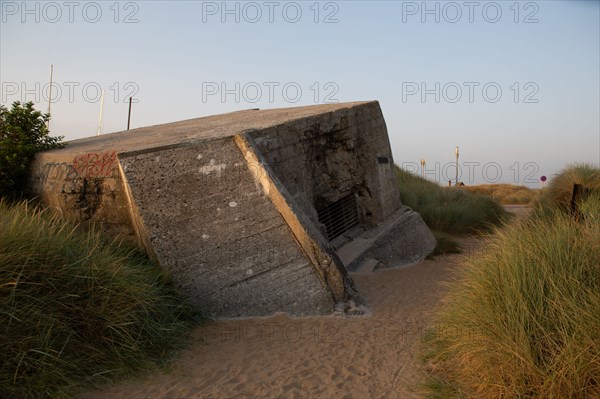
pixel 23 132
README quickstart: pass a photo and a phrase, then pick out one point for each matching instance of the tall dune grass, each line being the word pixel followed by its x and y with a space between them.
pixel 524 319
pixel 560 188
pixel 451 210
pixel 76 310
pixel 506 193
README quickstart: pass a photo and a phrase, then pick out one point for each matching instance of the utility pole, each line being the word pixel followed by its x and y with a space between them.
pixel 50 95
pixel 129 114
pixel 456 152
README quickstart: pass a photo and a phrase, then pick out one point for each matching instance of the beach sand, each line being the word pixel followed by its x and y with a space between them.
pixel 375 356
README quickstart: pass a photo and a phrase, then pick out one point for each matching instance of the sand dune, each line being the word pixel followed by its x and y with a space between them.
pixel 324 357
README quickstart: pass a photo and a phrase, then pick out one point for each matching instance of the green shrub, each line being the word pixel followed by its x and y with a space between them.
pixel 451 210
pixel 23 132
pixel 76 310
pixel 524 319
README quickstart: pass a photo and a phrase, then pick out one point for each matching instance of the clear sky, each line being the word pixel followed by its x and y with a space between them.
pixel 514 84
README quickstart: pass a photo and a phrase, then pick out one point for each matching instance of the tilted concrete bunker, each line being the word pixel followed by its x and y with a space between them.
pixel 253 212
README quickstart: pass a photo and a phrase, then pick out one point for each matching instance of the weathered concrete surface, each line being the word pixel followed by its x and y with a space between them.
pixel 226 244
pixel 86 187
pixel 322 159
pixel 204 129
pixel 228 203
pixel 401 240
pixel 326 264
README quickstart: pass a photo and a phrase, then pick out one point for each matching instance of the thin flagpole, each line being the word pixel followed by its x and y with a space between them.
pixel 100 116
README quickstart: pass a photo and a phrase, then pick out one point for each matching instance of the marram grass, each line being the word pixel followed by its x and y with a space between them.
pixel 76 310
pixel 449 209
pixel 559 191
pixel 523 321
pixel 506 193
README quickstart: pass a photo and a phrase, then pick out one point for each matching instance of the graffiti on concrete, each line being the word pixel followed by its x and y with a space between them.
pixel 91 165
pixel 95 165
pixel 55 171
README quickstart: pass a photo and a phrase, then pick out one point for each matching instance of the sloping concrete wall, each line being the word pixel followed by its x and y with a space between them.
pixel 324 260
pixel 223 239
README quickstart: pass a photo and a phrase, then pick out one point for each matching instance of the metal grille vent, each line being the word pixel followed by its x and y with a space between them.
pixel 339 217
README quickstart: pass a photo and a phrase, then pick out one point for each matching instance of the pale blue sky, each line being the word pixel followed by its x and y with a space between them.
pixel 178 51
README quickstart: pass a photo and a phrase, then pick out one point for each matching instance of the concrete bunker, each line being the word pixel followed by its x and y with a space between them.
pixel 253 212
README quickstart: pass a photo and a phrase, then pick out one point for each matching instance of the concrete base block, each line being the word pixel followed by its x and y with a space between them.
pixel 401 240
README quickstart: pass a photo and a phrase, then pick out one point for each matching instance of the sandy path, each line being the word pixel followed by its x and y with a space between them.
pixel 521 211
pixel 326 357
